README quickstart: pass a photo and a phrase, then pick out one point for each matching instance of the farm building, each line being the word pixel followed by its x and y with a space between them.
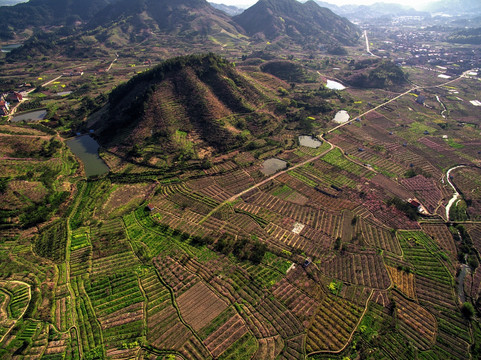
pixel 4 108
pixel 14 96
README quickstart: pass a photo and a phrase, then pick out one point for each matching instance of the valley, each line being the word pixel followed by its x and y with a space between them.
pixel 275 184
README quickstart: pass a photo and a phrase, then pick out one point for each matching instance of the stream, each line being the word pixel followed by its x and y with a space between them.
pixel 460 280
pixel 444 107
pixel 456 194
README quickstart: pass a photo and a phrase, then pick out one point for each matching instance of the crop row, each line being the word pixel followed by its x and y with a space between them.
pixel 89 331
pixel 420 251
pixel 317 199
pixel 362 269
pixel 164 328
pixel 404 281
pixel 378 236
pixel 336 158
pixel 19 300
pixel 442 236
pixel 417 324
pixel 117 301
pixel 298 302
pixel 51 242
pixel 333 324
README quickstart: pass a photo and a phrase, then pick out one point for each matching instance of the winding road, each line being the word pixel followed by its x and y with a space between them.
pixel 456 195
pixel 331 146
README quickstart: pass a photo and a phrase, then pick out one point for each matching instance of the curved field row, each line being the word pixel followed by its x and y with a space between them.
pixel 299 303
pixel 361 269
pixel 269 348
pixel 403 281
pixel 423 254
pixel 294 348
pixel 442 236
pixel 165 331
pixel 417 324
pixel 221 339
pixel 200 305
pixel 174 274
pixel 332 325
pixel 378 236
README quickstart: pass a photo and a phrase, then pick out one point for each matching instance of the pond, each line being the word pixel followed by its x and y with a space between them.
pixel 8 48
pixel 309 141
pixel 36 115
pixel 341 117
pixel 63 93
pixel 271 166
pixel 334 85
pixel 87 150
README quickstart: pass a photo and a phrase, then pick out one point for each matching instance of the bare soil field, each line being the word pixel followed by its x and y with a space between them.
pixel 199 305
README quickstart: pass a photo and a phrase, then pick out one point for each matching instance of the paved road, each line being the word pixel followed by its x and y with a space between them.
pixel 368 49
pixel 255 186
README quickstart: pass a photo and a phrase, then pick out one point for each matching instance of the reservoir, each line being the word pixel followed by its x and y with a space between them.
pixel 271 166
pixel 87 150
pixel 36 115
pixel 341 117
pixel 8 48
pixel 309 141
pixel 334 85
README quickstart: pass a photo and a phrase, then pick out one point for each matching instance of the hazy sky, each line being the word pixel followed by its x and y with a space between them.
pixel 412 3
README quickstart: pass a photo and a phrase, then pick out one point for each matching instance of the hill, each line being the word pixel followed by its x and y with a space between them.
pixel 308 22
pixel 374 73
pixel 187 18
pixel 44 13
pixel 228 9
pixel 190 106
pixel 455 7
pixel 373 11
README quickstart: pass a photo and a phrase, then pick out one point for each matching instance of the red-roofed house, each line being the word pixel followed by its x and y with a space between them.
pixel 14 96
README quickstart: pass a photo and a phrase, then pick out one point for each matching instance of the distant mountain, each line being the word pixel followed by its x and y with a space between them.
pixel 189 19
pixel 308 22
pixel 40 13
pixel 455 7
pixel 228 9
pixel 186 105
pixel 368 12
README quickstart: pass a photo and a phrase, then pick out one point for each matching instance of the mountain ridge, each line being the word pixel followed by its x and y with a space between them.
pixel 269 19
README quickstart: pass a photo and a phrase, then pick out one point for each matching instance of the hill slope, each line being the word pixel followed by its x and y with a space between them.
pixel 189 105
pixel 271 19
pixel 36 13
pixel 187 18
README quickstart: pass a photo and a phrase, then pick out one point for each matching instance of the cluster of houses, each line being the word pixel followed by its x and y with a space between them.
pixel 7 99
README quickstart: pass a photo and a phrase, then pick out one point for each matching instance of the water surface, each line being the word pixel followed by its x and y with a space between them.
pixel 8 48
pixel 309 141
pixel 87 150
pixel 36 115
pixel 271 166
pixel 63 93
pixel 334 85
pixel 341 117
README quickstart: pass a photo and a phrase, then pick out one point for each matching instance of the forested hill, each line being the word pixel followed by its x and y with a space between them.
pixel 271 19
pixel 184 105
pixel 175 17
pixel 37 13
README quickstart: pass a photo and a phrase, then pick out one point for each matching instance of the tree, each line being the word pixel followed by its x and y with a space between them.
pixel 467 310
